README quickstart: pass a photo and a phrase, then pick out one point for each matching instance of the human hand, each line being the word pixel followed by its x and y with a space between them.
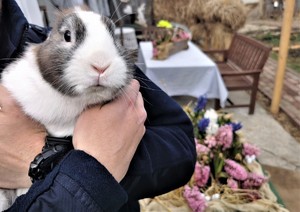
pixel 112 133
pixel 21 139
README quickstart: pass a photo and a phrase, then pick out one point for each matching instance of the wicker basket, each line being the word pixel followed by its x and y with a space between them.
pixel 163 42
pixel 164 50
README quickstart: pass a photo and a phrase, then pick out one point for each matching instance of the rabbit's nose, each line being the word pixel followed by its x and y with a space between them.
pixel 98 69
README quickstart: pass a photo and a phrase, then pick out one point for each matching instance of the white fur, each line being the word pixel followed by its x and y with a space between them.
pixel 97 49
pixel 58 112
pixel 141 20
pixel 38 99
pixel 8 197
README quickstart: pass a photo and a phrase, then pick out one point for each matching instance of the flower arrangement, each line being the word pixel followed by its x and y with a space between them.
pixel 224 168
pixel 168 40
pixel 227 176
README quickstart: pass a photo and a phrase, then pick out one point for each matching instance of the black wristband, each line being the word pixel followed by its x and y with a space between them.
pixel 53 151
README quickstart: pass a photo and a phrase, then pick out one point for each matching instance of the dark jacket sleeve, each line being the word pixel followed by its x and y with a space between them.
pixel 78 183
pixel 16 32
pixel 166 156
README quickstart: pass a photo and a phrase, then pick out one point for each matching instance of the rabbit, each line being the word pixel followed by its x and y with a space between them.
pixel 79 65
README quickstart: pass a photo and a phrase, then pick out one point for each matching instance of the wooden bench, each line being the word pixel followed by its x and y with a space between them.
pixel 241 66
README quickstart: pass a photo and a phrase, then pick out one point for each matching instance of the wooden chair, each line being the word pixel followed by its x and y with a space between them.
pixel 241 66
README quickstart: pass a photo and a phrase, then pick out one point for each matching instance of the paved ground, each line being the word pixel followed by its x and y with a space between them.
pixel 279 150
pixel 286 182
pixel 290 102
pixel 278 147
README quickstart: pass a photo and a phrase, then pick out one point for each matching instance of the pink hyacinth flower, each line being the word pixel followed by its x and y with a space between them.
pixel 224 136
pixel 210 141
pixel 201 149
pixel 254 181
pixel 201 174
pixel 232 183
pixel 250 149
pixel 155 52
pixel 235 170
pixel 195 199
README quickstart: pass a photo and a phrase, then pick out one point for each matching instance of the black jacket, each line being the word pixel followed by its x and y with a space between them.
pixel 164 160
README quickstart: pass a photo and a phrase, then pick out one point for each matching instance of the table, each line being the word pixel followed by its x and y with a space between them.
pixel 189 72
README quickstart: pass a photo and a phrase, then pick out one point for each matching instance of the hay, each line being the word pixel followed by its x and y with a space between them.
pixel 195 9
pixel 200 35
pixel 171 202
pixel 187 12
pixel 174 11
pixel 211 22
pixel 211 35
pixel 220 36
pixel 231 200
pixel 265 188
pixel 228 12
pixel 262 205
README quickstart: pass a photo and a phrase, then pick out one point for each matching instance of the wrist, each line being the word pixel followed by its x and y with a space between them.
pixel 52 153
pixel 35 146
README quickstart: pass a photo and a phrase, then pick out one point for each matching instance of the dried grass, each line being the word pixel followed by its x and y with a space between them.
pixel 231 200
pixel 175 11
pixel 220 35
pixel 212 22
pixel 212 35
pixel 200 35
pixel 231 13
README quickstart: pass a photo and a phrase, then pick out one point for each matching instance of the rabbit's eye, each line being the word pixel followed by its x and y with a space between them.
pixel 67 36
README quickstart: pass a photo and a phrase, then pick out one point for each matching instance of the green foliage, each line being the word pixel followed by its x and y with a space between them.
pixel 293 60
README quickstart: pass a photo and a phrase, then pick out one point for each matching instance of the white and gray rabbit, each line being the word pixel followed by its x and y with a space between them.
pixel 79 65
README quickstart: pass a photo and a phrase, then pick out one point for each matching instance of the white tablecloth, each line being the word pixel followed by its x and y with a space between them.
pixel 189 72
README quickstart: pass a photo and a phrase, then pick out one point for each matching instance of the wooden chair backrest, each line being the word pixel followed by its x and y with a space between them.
pixel 247 53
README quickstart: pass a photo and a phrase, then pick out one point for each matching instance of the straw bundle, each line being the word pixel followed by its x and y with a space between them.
pixel 228 12
pixel 231 200
pixel 211 35
pixel 220 35
pixel 195 9
pixel 212 22
pixel 174 11
pixel 200 35
pixel 182 11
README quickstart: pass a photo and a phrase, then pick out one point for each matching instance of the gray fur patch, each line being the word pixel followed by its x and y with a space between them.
pixel 53 56
pixel 109 25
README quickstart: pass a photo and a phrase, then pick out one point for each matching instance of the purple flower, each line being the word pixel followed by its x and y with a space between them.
pixel 195 199
pixel 203 124
pixel 249 149
pixel 232 183
pixel 224 136
pixel 236 126
pixel 201 103
pixel 235 170
pixel 201 174
pixel 254 181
